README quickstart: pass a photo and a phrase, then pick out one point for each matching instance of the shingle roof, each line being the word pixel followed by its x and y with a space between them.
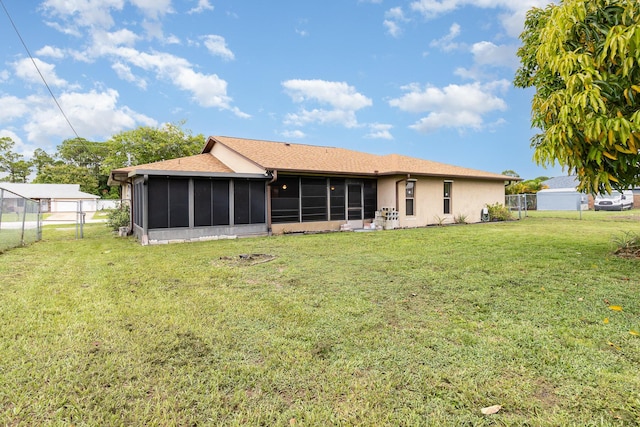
pixel 570 181
pixel 284 156
pixel 197 163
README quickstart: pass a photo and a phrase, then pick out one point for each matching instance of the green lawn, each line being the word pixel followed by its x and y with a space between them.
pixel 403 327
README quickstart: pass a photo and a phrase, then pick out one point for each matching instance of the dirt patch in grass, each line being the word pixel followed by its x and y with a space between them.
pixel 633 253
pixel 246 260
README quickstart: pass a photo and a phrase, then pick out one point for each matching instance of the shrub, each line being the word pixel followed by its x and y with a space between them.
pixel 460 219
pixel 627 244
pixel 499 212
pixel 118 217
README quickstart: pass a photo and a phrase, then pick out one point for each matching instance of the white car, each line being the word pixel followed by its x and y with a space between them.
pixel 615 201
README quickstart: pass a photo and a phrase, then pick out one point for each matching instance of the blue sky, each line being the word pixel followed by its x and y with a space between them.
pixel 424 78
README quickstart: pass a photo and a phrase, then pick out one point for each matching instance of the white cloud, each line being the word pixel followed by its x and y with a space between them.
pixel 325 117
pixel 11 108
pixel 447 42
pixel 393 29
pixel 27 71
pixel 293 134
pixel 487 53
pixel 393 18
pixel 337 94
pixel 50 51
pixel 4 133
pixel 454 106
pixel 202 6
pixel 92 114
pixel 217 46
pixel 379 131
pixel 512 20
pixel 86 13
pixel 343 101
pixel 124 72
pixel 4 75
pixel 153 9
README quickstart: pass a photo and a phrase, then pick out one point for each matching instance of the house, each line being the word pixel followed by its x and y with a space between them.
pixel 242 187
pixel 561 194
pixel 54 197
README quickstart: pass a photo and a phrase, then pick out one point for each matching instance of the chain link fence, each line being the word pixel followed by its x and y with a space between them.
pixel 20 220
pixel 521 203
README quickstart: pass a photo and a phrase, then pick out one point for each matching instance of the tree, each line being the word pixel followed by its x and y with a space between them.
pixel 40 159
pixel 63 173
pixel 583 59
pixel 89 155
pixel 147 145
pixel 16 167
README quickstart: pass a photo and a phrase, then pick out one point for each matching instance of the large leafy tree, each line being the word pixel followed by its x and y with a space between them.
pixel 148 144
pixel 583 59
pixel 64 173
pixel 17 169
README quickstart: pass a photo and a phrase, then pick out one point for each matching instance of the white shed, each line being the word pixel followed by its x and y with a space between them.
pixel 55 197
pixel 562 199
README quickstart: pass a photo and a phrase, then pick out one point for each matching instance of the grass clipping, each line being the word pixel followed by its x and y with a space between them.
pixel 246 260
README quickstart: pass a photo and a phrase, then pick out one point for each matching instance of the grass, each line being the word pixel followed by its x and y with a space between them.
pixel 403 327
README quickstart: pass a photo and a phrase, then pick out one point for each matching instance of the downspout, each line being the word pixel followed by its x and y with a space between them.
pixel 397 194
pixel 274 178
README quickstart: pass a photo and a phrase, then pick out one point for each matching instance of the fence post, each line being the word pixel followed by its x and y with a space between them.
pixel 39 222
pixel 1 204
pixel 24 220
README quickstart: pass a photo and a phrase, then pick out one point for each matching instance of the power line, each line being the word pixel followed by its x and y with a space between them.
pixel 38 69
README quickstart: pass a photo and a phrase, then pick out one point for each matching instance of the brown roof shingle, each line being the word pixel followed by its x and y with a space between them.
pixel 284 156
pixel 198 163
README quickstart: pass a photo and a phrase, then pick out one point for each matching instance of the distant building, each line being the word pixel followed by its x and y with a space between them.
pixel 561 194
pixel 53 197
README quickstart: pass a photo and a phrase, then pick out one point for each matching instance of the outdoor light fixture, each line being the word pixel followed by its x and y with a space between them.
pixel 284 186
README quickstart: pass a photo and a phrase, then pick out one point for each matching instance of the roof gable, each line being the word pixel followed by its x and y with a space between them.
pixel 197 163
pixel 283 156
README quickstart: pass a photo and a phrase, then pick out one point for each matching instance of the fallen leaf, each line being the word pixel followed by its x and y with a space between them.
pixel 542 288
pixel 489 410
pixel 606 301
pixel 615 308
pixel 636 333
pixel 606 320
pixel 292 422
pixel 613 345
pixel 580 299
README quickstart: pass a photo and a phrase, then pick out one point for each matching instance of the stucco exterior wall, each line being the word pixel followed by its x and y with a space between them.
pixel 387 192
pixel 468 197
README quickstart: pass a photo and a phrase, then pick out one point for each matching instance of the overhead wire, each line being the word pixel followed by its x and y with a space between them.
pixel 55 99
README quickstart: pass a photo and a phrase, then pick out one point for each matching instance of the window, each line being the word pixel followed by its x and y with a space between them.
pixel 285 200
pixel 410 198
pixel 447 196
pixel 314 199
